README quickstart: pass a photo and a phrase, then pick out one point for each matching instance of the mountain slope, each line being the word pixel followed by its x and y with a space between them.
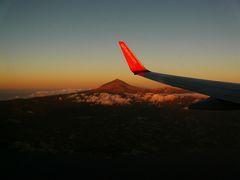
pixel 119 86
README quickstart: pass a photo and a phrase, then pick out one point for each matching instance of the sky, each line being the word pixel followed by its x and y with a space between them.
pixel 54 44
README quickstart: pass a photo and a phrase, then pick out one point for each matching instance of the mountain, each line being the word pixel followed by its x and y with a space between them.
pixel 118 92
pixel 116 86
pixel 119 86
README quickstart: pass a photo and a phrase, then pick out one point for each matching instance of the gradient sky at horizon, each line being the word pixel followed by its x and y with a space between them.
pixel 73 43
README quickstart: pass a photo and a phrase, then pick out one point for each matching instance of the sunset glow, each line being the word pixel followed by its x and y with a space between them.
pixel 61 44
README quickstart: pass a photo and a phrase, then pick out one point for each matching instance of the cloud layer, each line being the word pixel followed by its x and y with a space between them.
pixel 128 98
pixel 53 92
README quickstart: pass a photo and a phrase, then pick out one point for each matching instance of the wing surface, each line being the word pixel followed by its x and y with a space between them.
pixel 221 90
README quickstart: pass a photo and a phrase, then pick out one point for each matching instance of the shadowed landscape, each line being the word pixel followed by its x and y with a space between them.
pixel 117 121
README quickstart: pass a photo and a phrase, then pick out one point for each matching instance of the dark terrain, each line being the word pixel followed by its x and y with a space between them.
pixel 58 136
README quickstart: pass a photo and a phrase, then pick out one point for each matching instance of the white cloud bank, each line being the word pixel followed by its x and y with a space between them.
pixel 116 99
pixel 53 92
pixel 101 98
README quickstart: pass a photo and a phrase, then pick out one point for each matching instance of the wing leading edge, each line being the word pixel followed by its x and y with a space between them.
pixel 225 91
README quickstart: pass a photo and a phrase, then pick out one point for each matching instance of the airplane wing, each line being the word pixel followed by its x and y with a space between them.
pixel 225 91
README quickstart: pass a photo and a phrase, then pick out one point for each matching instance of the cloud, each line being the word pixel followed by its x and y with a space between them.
pixel 102 98
pixel 53 92
pixel 128 98
pixel 161 98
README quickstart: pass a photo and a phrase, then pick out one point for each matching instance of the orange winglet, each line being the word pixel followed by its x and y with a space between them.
pixel 134 64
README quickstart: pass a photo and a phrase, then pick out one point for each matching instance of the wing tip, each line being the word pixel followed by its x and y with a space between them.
pixel 134 64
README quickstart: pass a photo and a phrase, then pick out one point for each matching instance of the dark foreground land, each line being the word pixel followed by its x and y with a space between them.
pixel 41 137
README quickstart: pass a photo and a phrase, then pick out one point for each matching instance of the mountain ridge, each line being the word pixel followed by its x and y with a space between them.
pixel 119 86
pixel 115 86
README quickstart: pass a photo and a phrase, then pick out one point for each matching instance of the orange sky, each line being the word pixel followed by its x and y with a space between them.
pixel 57 44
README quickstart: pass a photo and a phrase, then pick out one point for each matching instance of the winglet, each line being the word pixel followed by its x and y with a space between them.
pixel 134 64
